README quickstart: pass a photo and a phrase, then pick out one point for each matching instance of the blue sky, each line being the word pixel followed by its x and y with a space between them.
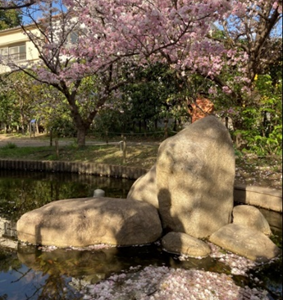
pixel 34 10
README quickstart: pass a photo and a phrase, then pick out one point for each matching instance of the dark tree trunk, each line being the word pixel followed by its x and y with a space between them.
pixel 81 136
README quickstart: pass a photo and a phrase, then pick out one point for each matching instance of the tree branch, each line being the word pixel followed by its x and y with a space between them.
pixel 14 5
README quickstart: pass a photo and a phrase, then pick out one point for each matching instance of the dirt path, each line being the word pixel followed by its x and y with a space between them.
pixel 42 140
pixel 23 141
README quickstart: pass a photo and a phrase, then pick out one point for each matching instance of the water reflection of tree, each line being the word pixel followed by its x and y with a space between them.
pixel 8 260
pixel 55 287
pixel 21 193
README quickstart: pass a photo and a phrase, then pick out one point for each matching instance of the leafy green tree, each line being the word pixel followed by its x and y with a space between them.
pixel 9 18
pixel 262 123
pixel 23 99
pixel 9 113
pixel 156 94
pixel 111 34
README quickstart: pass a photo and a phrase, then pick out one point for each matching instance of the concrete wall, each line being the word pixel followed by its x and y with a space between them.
pixel 259 196
pixel 253 195
pixel 73 167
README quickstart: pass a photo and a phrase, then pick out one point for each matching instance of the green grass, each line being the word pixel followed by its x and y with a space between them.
pixel 10 145
pixel 136 156
pixel 21 152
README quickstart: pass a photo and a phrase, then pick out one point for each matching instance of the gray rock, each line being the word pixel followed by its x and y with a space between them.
pixel 98 193
pixel 195 173
pixel 251 217
pixel 182 243
pixel 90 221
pixel 246 242
pixel 144 188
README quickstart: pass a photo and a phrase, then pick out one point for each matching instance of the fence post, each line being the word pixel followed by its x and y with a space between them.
pixel 106 132
pixel 51 137
pixel 57 147
pixel 123 147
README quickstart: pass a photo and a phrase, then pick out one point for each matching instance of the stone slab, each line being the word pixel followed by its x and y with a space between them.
pixel 259 196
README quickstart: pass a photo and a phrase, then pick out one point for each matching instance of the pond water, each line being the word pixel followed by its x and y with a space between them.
pixel 30 272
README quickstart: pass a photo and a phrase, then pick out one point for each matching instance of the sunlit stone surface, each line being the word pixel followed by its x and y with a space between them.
pixel 195 173
pixel 145 189
pixel 90 221
pixel 251 217
pixel 245 241
pixel 182 243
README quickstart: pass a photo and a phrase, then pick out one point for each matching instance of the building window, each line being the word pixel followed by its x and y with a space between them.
pixel 4 51
pixel 72 39
pixel 14 53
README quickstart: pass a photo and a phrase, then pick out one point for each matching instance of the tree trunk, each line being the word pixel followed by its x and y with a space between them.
pixel 81 135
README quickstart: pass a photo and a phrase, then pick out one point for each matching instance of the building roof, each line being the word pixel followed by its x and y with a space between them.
pixel 15 29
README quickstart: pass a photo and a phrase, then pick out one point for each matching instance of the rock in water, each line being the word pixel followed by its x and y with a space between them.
pixel 245 241
pixel 195 173
pixel 91 221
pixel 182 243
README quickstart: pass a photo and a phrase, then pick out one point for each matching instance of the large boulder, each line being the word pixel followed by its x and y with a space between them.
pixel 245 241
pixel 90 221
pixel 195 173
pixel 251 217
pixel 144 188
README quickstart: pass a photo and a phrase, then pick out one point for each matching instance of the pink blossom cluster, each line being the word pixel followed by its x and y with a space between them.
pixel 112 33
pixel 115 31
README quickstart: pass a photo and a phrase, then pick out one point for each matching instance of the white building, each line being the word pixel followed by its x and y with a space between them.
pixel 16 47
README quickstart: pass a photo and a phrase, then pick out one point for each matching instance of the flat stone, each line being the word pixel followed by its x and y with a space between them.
pixel 182 243
pixel 259 196
pixel 8 243
pixel 91 221
pixel 246 242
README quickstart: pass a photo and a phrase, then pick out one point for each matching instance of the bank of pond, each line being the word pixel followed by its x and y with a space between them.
pixel 30 272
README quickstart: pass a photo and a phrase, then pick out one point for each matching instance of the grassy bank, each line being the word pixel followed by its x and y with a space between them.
pixel 137 154
pixel 141 153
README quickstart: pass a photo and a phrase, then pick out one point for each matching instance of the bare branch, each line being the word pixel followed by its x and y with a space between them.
pixel 16 4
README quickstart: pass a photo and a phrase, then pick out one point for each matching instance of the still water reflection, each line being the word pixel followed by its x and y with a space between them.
pixel 29 273
pixel 23 191
pixel 33 273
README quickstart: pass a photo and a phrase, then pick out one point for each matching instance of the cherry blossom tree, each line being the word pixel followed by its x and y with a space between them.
pixel 252 35
pixel 98 39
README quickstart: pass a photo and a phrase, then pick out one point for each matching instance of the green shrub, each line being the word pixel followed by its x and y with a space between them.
pixel 10 145
pixel 63 127
pixel 262 122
